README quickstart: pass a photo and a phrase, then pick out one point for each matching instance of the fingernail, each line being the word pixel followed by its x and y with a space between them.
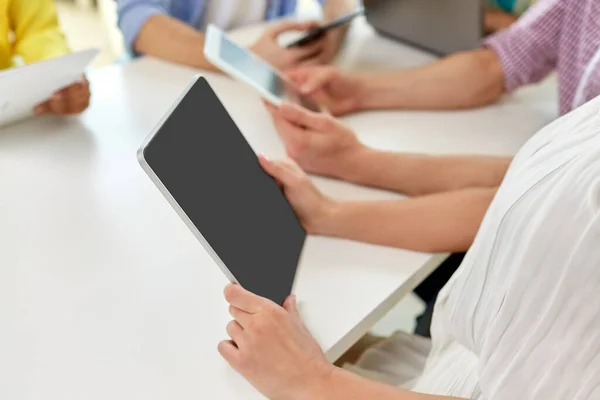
pixel 57 96
pixel 37 110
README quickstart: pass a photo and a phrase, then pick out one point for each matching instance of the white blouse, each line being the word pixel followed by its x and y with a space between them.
pixel 520 319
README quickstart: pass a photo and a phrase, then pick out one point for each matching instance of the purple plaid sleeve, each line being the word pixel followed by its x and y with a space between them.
pixel 528 50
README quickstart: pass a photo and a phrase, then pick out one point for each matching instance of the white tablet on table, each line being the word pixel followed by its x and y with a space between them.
pixel 242 64
pixel 23 88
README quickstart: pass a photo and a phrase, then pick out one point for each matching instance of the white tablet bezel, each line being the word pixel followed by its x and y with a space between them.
pixel 165 192
pixel 182 214
pixel 212 49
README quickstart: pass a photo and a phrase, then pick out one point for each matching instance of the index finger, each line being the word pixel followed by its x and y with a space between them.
pixel 246 301
pixel 297 54
pixel 282 172
pixel 270 107
pixel 319 77
pixel 299 74
pixel 290 25
pixel 43 108
pixel 303 117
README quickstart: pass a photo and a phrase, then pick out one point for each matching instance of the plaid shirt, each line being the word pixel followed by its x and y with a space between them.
pixel 554 34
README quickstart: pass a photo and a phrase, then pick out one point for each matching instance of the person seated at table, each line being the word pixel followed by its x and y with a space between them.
pixel 519 320
pixel 500 14
pixel 553 35
pixel 30 32
pixel 173 29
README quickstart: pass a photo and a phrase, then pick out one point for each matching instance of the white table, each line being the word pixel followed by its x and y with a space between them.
pixel 105 294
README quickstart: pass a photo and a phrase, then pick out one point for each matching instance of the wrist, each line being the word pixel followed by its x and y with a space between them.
pixel 319 387
pixel 365 91
pixel 350 165
pixel 377 91
pixel 330 220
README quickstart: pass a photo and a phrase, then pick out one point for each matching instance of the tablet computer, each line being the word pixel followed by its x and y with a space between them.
pixel 203 165
pixel 243 65
pixel 23 88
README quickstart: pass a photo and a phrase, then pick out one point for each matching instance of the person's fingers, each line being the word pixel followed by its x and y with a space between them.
pixel 294 137
pixel 291 307
pixel 319 77
pixel 77 89
pixel 43 108
pixel 235 332
pixel 77 96
pixel 70 100
pixel 240 298
pixel 289 25
pixel 78 105
pixel 299 75
pixel 324 57
pixel 310 62
pixel 300 116
pixel 292 167
pixel 58 103
pixel 285 128
pixel 314 47
pixel 277 170
pixel 297 54
pixel 240 316
pixel 230 352
pixel 270 108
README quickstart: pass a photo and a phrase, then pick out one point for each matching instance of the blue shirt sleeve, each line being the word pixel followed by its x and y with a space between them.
pixel 133 14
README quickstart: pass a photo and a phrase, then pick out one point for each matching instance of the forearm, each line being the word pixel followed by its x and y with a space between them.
pixel 446 222
pixel 343 385
pixel 333 9
pixel 420 174
pixel 169 39
pixel 464 80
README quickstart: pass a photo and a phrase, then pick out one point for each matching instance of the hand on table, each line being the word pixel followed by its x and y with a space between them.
pixel 73 99
pixel 268 48
pixel 336 90
pixel 271 347
pixel 318 142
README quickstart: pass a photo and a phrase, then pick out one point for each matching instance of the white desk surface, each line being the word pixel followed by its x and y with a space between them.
pixel 105 294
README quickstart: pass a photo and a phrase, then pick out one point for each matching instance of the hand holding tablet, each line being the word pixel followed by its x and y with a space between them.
pixel 212 178
pixel 70 100
pixel 245 66
pixel 24 88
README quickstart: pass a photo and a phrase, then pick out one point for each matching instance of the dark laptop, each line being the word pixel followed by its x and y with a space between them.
pixel 438 26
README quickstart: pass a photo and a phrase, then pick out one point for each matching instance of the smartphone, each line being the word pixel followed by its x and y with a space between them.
pixel 317 33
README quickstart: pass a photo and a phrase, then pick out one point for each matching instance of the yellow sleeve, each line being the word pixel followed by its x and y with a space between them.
pixel 37 32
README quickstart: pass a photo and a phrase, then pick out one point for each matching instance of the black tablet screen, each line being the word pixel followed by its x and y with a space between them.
pixel 205 163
